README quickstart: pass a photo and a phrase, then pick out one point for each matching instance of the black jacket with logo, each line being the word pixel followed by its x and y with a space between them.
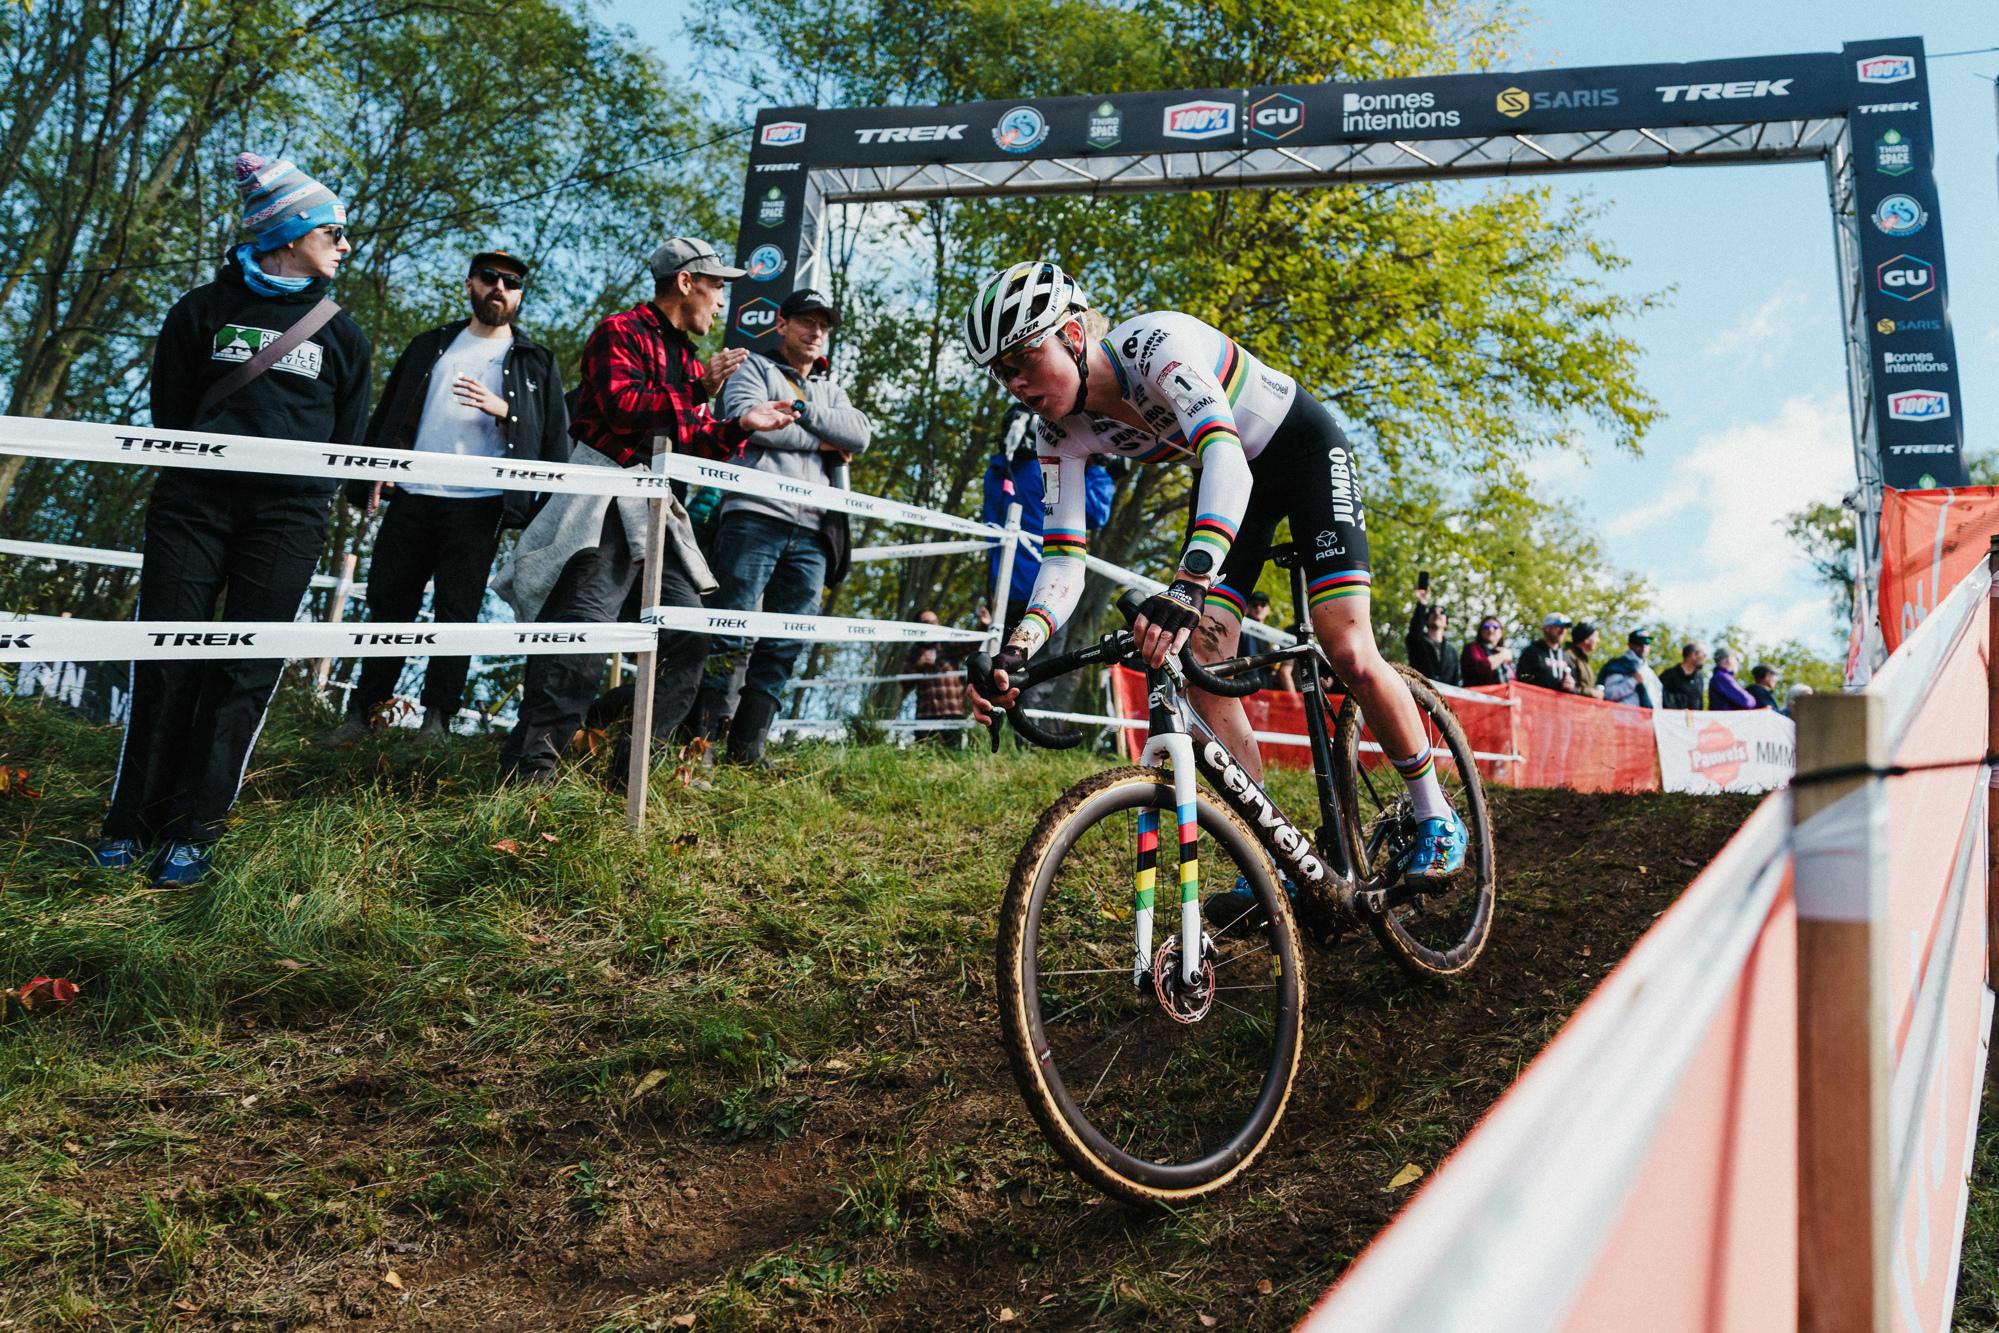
pixel 536 427
pixel 317 393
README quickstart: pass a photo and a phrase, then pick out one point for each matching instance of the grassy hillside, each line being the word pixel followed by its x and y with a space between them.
pixel 447 1058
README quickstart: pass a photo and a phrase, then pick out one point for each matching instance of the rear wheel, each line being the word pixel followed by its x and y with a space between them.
pixel 1155 1090
pixel 1430 930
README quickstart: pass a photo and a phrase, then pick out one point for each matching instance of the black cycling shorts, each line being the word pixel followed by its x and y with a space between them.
pixel 1306 474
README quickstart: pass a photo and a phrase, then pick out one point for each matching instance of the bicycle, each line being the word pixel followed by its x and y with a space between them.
pixel 1160 1071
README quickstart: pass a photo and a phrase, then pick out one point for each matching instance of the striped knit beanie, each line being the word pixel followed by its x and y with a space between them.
pixel 282 203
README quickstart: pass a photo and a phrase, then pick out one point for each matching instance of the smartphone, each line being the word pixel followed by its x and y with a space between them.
pixel 1423 580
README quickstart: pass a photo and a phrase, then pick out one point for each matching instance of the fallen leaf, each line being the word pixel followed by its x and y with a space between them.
pixel 536 939
pixel 550 837
pixel 249 1101
pixel 291 965
pixel 1207 1320
pixel 652 1080
pixel 683 1321
pixel 186 1306
pixel 1410 1172
pixel 1006 1314
pixel 297 900
pixel 1643 871
pixel 1263 1287
pixel 391 1278
pixel 507 845
pixel 45 990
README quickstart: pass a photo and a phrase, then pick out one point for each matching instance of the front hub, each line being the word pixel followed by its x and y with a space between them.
pixel 1184 1002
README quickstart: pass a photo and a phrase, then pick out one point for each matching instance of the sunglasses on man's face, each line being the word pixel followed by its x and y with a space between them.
pixel 334 234
pixel 513 282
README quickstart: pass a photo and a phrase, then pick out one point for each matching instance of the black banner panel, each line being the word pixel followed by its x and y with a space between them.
pixel 1916 402
pixel 772 227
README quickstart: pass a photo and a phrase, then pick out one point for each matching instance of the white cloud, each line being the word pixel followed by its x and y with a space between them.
pixel 1716 525
pixel 1759 336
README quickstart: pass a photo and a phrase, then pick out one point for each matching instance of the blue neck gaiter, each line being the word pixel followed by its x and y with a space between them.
pixel 266 284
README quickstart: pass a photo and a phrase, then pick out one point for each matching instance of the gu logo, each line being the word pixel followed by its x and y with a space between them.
pixel 1278 116
pixel 757 317
pixel 1906 278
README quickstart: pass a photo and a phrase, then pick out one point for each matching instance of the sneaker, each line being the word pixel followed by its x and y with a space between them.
pixel 435 727
pixel 116 854
pixel 1238 906
pixel 352 730
pixel 184 865
pixel 1439 851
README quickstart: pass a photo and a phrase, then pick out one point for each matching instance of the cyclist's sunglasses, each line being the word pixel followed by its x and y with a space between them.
pixel 336 234
pixel 1014 362
pixel 513 282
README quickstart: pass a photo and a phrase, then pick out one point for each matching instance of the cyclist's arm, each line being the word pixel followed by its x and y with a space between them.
pixel 1064 543
pixel 1209 426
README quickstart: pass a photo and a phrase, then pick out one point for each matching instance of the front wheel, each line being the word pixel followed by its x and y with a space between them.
pixel 1156 1089
pixel 1433 930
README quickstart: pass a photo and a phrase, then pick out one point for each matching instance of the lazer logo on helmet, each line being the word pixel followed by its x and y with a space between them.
pixel 1918 405
pixel 782 134
pixel 1724 92
pixel 1887 69
pixel 1906 278
pixel 1199 120
pixel 911 133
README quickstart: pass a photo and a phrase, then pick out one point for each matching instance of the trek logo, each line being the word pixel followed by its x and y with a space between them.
pixel 1199 120
pixel 366 461
pixel 1887 69
pixel 1879 108
pixel 782 134
pixel 1278 116
pixel 728 622
pixel 1918 405
pixel 529 473
pixel 1724 92
pixel 1906 278
pixel 407 639
pixel 240 342
pixel 777 166
pixel 713 473
pixel 211 639
pixel 792 488
pixel 799 626
pixel 18 640
pixel 1515 102
pixel 1287 839
pixel 911 134
pixel 551 636
pixel 147 444
pixel 757 317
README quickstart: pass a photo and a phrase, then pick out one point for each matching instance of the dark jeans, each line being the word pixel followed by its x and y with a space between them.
pixel 559 688
pixel 193 724
pixel 760 558
pixel 426 537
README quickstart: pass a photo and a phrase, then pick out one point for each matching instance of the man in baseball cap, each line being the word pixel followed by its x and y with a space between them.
pixel 1542 662
pixel 1628 678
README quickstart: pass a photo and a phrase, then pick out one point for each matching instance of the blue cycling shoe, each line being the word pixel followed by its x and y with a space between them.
pixel 1439 852
pixel 184 865
pixel 116 854
pixel 1238 906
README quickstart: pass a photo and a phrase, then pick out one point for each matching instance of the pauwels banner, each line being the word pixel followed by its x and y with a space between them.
pixel 1709 753
pixel 1917 412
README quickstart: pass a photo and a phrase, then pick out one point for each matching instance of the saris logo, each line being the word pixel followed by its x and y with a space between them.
pixel 1717 755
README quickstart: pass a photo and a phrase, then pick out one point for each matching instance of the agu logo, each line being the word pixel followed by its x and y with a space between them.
pixel 1199 120
pixel 765 262
pixel 1021 130
pixel 1899 215
pixel 757 317
pixel 1919 405
pixel 1906 278
pixel 782 134
pixel 1887 69
pixel 1717 755
pixel 1277 116
pixel 1514 102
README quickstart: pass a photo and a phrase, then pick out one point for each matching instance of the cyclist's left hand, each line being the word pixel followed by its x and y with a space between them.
pixel 1167 618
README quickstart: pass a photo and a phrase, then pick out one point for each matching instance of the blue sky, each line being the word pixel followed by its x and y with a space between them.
pixel 1745 359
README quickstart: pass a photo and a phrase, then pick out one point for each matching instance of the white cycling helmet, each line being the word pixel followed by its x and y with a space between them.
pixel 1017 304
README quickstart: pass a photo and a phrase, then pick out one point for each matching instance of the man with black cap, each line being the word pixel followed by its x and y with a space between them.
pixel 477 387
pixel 772 553
pixel 642 389
pixel 1542 662
pixel 1628 678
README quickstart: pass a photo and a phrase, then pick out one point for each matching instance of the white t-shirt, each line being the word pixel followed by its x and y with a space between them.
pixel 450 426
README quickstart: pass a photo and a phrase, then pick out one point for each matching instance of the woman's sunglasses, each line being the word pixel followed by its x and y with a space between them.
pixel 513 282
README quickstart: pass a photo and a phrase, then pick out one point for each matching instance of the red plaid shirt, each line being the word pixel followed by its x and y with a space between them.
pixel 640 379
pixel 943 694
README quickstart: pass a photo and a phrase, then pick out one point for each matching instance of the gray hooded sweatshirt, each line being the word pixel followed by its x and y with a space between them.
pixel 793 452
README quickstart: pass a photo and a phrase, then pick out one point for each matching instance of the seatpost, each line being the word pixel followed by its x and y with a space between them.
pixel 1298 628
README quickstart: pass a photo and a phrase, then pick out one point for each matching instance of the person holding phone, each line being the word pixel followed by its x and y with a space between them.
pixel 476 388
pixel 1428 624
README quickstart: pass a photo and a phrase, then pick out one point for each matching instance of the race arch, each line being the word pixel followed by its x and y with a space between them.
pixel 1864 112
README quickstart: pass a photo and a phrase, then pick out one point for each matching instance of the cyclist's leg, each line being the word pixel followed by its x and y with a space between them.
pixel 1220 630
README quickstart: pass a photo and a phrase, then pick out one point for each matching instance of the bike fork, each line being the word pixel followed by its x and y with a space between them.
pixel 1178 750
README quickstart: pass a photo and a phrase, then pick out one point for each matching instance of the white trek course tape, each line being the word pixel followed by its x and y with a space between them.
pixel 94 442
pixel 200 640
pixel 831 629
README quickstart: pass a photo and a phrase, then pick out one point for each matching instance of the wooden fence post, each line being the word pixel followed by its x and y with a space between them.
pixel 1845 1178
pixel 638 776
pixel 1992 805
pixel 336 611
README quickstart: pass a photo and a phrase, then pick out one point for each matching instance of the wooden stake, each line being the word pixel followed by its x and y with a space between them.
pixel 648 667
pixel 1992 806
pixel 1845 1068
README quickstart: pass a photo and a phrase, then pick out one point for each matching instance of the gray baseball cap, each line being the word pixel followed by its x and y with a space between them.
pixel 685 254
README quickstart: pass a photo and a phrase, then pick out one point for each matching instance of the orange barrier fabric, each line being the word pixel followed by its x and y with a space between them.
pixel 1541 738
pixel 1929 541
